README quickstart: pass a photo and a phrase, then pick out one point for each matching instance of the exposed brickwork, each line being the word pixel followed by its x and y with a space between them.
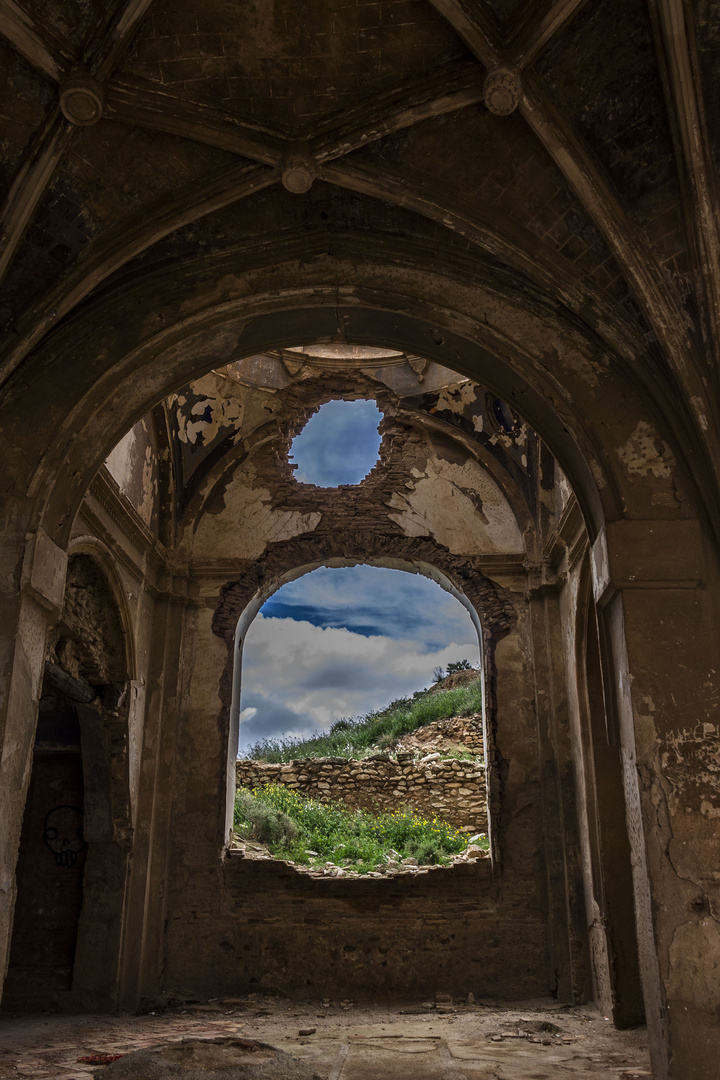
pixel 294 61
pixel 103 179
pixel 616 99
pixel 496 611
pixel 524 185
pixel 286 931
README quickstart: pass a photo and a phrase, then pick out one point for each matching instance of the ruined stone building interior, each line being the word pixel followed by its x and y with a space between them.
pixel 496 219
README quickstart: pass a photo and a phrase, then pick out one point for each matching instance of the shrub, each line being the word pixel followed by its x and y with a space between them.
pixel 341 725
pixel 335 833
pixel 262 821
pixel 357 737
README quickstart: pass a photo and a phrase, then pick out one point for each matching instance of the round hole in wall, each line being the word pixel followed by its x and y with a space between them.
pixel 339 444
pixel 505 417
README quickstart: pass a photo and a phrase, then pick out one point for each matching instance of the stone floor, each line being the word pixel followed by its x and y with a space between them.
pixel 535 1040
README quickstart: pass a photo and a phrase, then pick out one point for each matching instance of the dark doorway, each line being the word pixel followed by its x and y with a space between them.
pixel 51 863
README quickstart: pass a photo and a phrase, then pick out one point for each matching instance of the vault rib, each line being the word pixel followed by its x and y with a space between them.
pixel 159 108
pixel 629 247
pixel 130 237
pixel 30 184
pixel 41 46
pixel 510 242
pixel 38 169
pixel 447 89
pixel 155 107
pixel 533 39
pixel 469 21
pixel 599 201
pixel 690 131
pixel 112 42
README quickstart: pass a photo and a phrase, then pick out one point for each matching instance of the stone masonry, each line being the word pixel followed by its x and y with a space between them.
pixel 452 790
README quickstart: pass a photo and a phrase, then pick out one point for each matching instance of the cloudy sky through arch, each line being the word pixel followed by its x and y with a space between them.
pixel 341 641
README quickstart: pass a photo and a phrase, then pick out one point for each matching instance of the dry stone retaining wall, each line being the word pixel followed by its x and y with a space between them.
pixel 452 790
pixel 462 732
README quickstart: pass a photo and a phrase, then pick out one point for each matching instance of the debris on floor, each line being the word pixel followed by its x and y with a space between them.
pixel 209 1059
pixel 476 1038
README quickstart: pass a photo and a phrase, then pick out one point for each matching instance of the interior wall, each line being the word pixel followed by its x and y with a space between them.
pixel 364 523
pixel 525 193
pixel 648 484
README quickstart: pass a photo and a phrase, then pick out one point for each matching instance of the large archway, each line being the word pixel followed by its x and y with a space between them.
pixel 557 390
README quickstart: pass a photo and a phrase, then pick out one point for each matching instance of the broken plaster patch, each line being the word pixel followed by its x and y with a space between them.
pixel 248 523
pixel 645 454
pixel 461 507
pixel 457 397
pixel 691 761
pixel 202 415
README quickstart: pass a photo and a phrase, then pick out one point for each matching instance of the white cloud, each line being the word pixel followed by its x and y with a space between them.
pixel 297 676
pixel 377 601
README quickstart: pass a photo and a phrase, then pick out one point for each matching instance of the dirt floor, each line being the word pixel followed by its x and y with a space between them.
pixel 534 1040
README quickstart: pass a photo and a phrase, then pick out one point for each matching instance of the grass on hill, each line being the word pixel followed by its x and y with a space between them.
pixel 360 736
pixel 299 829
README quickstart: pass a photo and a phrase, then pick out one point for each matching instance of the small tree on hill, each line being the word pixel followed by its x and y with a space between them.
pixel 459 665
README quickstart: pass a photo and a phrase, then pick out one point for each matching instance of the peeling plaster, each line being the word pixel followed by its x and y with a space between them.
pixel 208 415
pixel 133 466
pixel 457 397
pixel 691 761
pixel 246 523
pixel 645 454
pixel 461 506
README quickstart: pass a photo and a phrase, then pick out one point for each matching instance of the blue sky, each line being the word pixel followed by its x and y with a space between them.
pixel 339 642
pixel 338 445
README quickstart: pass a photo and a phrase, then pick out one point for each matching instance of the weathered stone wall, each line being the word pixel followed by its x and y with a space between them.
pixel 575 272
pixel 464 732
pixel 261 925
pixel 451 790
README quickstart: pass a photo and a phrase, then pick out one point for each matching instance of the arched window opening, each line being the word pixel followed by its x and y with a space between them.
pixel 339 444
pixel 361 725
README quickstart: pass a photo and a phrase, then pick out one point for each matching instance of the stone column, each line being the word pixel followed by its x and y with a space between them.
pixel 27 612
pixel 566 914
pixel 605 848
pixel 515 801
pixel 200 800
pixel 656 586
pixel 145 921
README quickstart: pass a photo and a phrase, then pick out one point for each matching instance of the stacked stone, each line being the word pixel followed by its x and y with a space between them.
pixel 451 790
pixel 464 731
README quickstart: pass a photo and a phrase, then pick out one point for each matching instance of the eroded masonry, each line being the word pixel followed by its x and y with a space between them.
pixel 465 492
pixel 498 222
